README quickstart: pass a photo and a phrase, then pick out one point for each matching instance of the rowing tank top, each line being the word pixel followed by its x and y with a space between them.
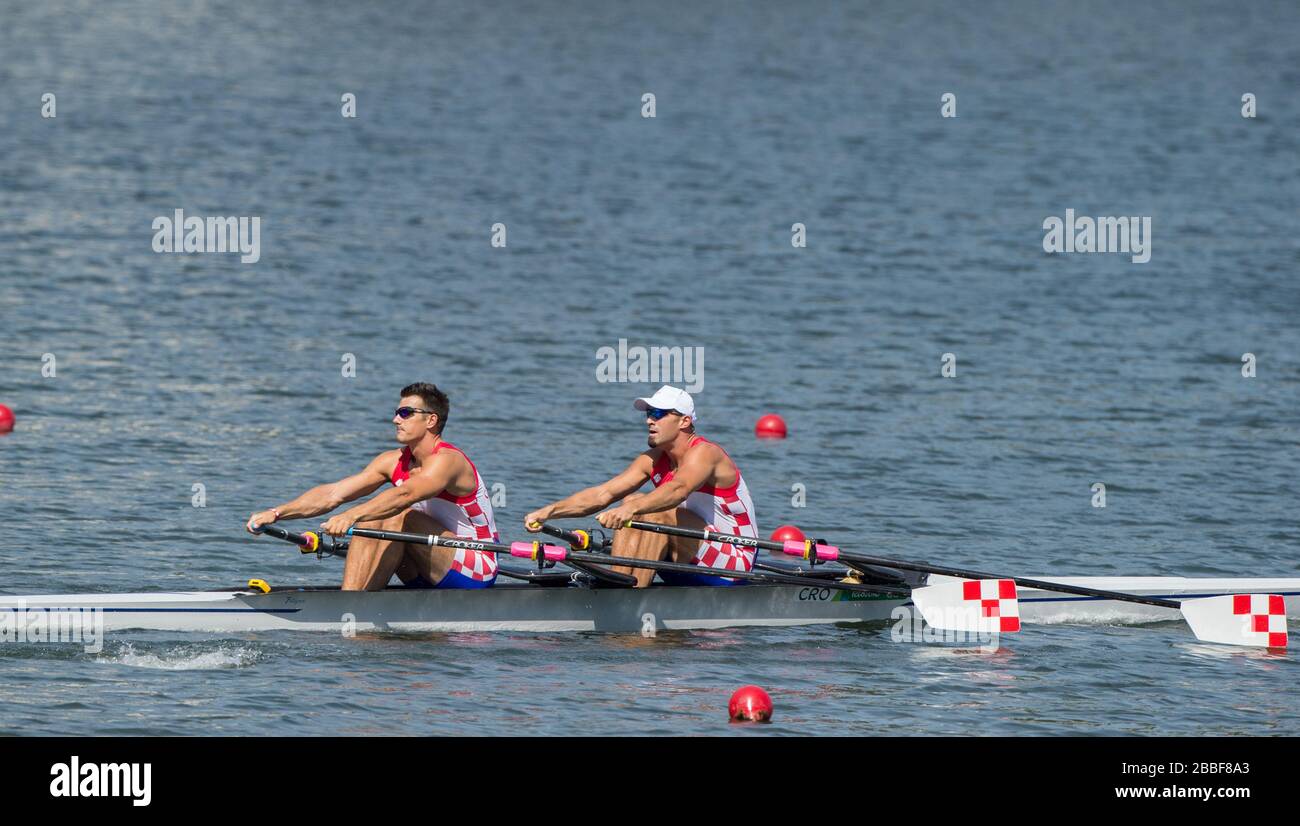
pixel 469 516
pixel 729 510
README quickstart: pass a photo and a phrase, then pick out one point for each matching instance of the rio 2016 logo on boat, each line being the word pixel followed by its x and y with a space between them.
pixel 815 594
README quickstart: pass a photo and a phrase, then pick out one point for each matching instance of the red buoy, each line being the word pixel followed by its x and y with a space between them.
pixel 787 533
pixel 6 419
pixel 750 704
pixel 770 426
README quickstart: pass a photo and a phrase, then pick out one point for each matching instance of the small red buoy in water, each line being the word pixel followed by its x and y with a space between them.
pixel 770 426
pixel 6 419
pixel 788 533
pixel 750 704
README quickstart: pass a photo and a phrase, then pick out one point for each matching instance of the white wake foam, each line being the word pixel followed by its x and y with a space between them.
pixel 183 658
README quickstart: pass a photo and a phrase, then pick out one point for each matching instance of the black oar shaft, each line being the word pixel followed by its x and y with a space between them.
pixel 706 535
pixel 578 540
pixel 1023 582
pixel 922 567
pixel 302 540
pixel 309 542
pixel 689 568
pixel 432 540
pixel 581 540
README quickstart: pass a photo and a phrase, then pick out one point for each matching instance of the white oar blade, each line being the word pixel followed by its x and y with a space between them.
pixel 1239 619
pixel 980 606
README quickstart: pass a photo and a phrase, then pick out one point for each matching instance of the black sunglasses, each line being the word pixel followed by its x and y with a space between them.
pixel 408 412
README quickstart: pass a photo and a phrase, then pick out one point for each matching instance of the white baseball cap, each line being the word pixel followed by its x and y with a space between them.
pixel 669 398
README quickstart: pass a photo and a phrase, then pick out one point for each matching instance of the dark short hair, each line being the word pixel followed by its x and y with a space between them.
pixel 434 399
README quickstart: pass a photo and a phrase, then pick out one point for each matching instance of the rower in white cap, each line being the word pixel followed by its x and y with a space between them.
pixel 696 485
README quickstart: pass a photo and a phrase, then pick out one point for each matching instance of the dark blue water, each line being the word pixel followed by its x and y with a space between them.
pixel 924 238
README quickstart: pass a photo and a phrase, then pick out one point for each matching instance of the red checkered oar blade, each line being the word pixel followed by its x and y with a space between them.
pixel 978 606
pixel 1238 619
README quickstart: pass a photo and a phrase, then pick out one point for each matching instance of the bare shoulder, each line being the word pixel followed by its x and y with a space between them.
pixel 385 461
pixel 714 461
pixel 706 451
pixel 447 461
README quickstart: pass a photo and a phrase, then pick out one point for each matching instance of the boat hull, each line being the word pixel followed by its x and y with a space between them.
pixel 511 607
pixel 501 608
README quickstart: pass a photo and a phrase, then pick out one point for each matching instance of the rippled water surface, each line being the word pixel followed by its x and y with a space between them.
pixel 924 238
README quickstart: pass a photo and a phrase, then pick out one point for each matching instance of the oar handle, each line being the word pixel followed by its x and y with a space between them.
pixel 754 576
pixel 309 542
pixel 579 540
pixel 302 540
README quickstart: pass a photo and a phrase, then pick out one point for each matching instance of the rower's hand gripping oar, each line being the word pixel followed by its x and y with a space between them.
pixel 579 540
pixel 309 542
pixel 990 603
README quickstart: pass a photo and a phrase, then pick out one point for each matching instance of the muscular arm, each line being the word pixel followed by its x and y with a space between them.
pixel 325 498
pixel 696 469
pixel 588 501
pixel 426 483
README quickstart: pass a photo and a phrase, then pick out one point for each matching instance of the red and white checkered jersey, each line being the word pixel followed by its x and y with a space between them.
pixel 470 516
pixel 729 510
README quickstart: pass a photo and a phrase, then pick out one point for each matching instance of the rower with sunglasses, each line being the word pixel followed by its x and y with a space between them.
pixel 436 490
pixel 696 485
